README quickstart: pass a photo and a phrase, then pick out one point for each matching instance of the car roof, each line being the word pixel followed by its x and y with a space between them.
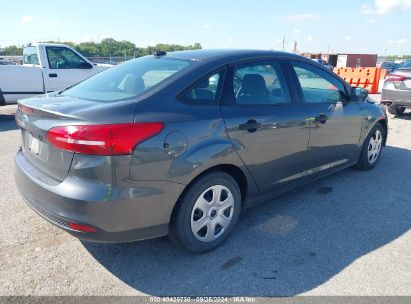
pixel 47 44
pixel 226 55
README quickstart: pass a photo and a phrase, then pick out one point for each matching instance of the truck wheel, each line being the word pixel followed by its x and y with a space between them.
pixel 207 213
pixel 371 150
pixel 396 110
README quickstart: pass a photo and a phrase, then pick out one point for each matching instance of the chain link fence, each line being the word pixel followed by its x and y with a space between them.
pixel 110 60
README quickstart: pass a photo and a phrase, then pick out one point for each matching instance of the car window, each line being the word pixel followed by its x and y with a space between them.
pixel 260 83
pixel 318 85
pixel 30 55
pixel 204 90
pixel 128 79
pixel 64 58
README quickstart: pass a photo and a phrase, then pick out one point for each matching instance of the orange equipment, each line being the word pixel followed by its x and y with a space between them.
pixel 367 78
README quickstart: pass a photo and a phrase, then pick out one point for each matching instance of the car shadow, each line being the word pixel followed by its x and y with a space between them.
pixel 288 246
pixel 405 116
pixel 7 122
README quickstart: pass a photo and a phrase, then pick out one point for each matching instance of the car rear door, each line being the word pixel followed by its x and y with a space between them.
pixel 335 121
pixel 266 126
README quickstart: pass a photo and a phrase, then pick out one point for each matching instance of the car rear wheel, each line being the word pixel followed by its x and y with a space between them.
pixel 371 150
pixel 396 110
pixel 207 213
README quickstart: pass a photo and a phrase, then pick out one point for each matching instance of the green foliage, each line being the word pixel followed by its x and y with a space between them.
pixel 396 57
pixel 13 51
pixel 111 47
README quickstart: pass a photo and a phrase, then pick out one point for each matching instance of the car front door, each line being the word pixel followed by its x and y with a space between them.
pixel 335 121
pixel 66 68
pixel 265 124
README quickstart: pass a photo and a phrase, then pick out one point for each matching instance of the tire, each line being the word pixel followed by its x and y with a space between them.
pixel 198 210
pixel 372 148
pixel 396 110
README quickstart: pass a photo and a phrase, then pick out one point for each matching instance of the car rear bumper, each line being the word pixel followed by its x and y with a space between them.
pixel 142 211
pixel 395 97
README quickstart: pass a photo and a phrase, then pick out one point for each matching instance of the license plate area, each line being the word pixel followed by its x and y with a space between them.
pixel 34 145
pixel 39 153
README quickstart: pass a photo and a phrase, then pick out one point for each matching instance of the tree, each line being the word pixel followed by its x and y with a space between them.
pixel 110 47
pixel 88 49
pixel 13 50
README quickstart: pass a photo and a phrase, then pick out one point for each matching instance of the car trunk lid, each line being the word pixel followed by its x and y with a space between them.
pixel 36 116
pixel 406 83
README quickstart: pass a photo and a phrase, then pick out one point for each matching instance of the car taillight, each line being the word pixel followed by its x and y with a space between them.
pixel 81 228
pixel 25 110
pixel 113 139
pixel 394 77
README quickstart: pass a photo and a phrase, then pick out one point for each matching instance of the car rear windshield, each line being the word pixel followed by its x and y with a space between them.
pixel 30 55
pixel 127 80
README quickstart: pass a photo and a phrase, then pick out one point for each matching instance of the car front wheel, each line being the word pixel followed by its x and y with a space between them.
pixel 371 150
pixel 207 213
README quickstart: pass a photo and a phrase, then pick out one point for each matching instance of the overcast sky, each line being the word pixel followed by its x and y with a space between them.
pixel 367 26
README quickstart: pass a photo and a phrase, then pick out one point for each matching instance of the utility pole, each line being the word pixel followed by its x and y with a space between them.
pixel 284 43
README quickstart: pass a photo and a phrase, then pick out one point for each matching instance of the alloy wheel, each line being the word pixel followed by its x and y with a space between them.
pixel 374 147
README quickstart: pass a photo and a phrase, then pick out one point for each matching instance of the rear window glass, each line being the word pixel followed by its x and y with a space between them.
pixel 30 55
pixel 128 80
pixel 204 90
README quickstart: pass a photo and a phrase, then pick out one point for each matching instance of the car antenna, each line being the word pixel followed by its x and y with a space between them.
pixel 159 53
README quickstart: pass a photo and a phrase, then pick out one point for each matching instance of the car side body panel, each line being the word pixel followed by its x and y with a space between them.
pixel 193 141
pixel 132 197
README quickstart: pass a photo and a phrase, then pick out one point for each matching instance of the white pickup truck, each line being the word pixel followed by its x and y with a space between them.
pixel 46 68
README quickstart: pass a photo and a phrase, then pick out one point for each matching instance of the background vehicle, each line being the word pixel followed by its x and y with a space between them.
pixel 46 68
pixel 181 143
pixel 396 92
pixel 390 65
pixel 324 63
pixel 6 62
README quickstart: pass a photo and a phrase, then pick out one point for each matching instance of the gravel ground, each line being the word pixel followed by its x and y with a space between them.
pixel 348 234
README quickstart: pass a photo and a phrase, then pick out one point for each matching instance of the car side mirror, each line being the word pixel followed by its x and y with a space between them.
pixel 360 93
pixel 85 65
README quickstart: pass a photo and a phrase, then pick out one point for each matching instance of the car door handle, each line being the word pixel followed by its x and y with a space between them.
pixel 53 75
pixel 322 118
pixel 251 126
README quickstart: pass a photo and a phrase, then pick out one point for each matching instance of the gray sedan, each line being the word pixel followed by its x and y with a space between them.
pixel 396 93
pixel 181 143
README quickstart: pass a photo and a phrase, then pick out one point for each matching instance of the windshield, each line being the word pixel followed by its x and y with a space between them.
pixel 127 80
pixel 406 65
